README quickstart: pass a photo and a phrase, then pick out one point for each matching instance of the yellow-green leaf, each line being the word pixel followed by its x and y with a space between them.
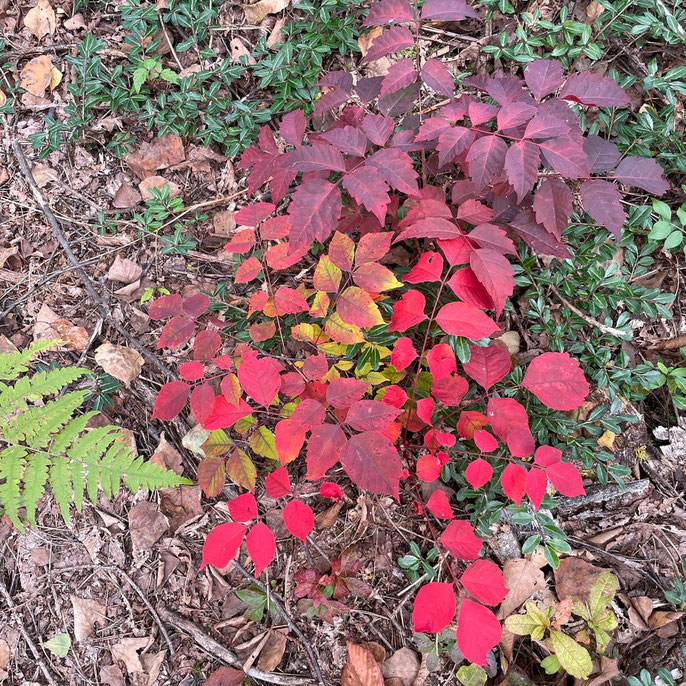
pixel 471 675
pixel 522 625
pixel 59 645
pixel 263 444
pixel 602 592
pixel 217 444
pixel 241 470
pixel 574 658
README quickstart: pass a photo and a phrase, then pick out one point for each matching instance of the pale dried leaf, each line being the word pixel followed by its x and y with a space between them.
pixel 119 361
pixel 41 20
pixel 35 76
pixel 361 669
pixel 126 651
pixel 124 270
pixel 272 652
pixel 87 613
pixel 256 12
pixel 403 664
pixel 238 50
pixel 523 578
pixel 158 182
pixel 146 525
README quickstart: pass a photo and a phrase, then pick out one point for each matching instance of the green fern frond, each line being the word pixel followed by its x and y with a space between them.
pixel 43 445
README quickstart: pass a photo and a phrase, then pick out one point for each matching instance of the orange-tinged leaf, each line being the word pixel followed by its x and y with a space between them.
pixel 327 276
pixel 356 307
pixel 342 251
pixel 289 440
pixel 241 470
pixel 341 332
pixel 211 474
pixel 320 305
pixel 361 669
pixel 376 278
pixel 248 270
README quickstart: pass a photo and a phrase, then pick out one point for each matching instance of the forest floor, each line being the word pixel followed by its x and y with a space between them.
pixel 122 581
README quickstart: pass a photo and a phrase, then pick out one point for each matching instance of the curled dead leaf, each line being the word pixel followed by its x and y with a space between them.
pixel 120 362
pixel 41 20
pixel 256 12
pixel 361 669
pixel 76 337
pixel 124 270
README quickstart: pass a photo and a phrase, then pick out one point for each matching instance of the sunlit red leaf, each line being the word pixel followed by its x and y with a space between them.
pixel 447 10
pixel 403 353
pixel 308 414
pixel 252 215
pixel 260 379
pixel 450 390
pixel 224 415
pixel 429 268
pixel 520 442
pixel 536 484
pixel 439 505
pixel 278 483
pixel 557 380
pixel 202 402
pixel 467 287
pixel 485 581
pixel 488 365
pixel 506 415
pixel 289 440
pixel 373 463
pixel 513 482
pixel 478 473
pixel 176 332
pixel 313 213
pixel 170 400
pixel 408 311
pixel 495 273
pixel 463 319
pixel 206 345
pixel 323 449
pixel 478 631
pixel 248 270
pixel 565 477
pixel 261 546
pixel 460 540
pixel 428 468
pixel 222 544
pixel 485 441
pixel 298 518
pixel 469 422
pixel 191 371
pixel 331 490
pixel 434 607
pixel 243 508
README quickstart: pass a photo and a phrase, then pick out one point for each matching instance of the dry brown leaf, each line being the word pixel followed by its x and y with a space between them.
pixel 224 223
pixel 326 519
pixel 76 337
pixel 361 669
pixel 74 23
pixel 225 676
pixel 126 651
pixel 167 456
pixel 43 174
pixel 87 613
pixel 6 253
pixel 275 34
pixel 124 270
pixel 146 525
pixel 366 39
pixel 3 99
pixel 376 649
pixel 574 578
pixel 593 11
pixel 181 505
pixel 159 154
pixel 523 578
pixel 273 650
pixel 152 664
pixel 55 78
pixel 158 182
pixel 41 20
pixel 255 13
pixel 4 654
pixel 609 671
pixel 126 196
pixel 660 618
pixel 42 329
pixel 238 50
pixel 119 361
pixel 403 665
pixel 35 76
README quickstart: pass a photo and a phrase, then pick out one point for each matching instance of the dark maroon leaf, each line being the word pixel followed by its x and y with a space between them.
pixel 643 172
pixel 521 167
pixel 400 75
pixel 566 156
pixel 348 140
pixel 438 77
pixel 486 158
pixel 602 201
pixel 387 11
pixel 553 204
pixel 543 77
pixel 602 155
pixel 368 188
pixel 452 143
pixel 377 128
pixel 447 10
pixel 536 236
pixel 397 170
pixel 594 89
pixel 390 41
pixel 313 213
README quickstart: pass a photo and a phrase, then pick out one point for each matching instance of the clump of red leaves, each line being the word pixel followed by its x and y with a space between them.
pixel 458 188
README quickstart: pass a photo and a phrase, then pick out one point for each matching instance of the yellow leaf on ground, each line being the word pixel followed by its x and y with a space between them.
pixel 36 74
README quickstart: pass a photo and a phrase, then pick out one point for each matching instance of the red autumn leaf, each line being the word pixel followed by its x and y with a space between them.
pixel 289 440
pixel 553 204
pixel 467 287
pixel 289 301
pixel 211 476
pixel 170 400
pixel 535 235
pixel 191 371
pixel 492 237
pixel 431 227
pixel 284 255
pixel 196 304
pixel 387 11
pixel 520 442
pixel 428 468
pixel 368 188
pixel 396 167
pixel 278 483
pixel 375 278
pixel 565 477
pixel 260 379
pixel 370 415
pixel 557 380
pixel 485 441
pixel 536 484
pixel 323 449
pixel 331 490
pixel 166 306
pixel 241 242
pixel 438 77
pixel 377 128
pixel 495 273
pixel 262 331
pixel 478 631
pixel 642 172
pixel 545 125
pixel 425 410
pixel 469 422
pixel 202 402
pixel 298 518
pixel 602 155
pixel 594 89
pixel 253 215
pixel 292 127
pixel 313 213
pixel 521 166
pixel 316 157
pixel 243 508
pixel 506 415
pixel 602 201
pixel 474 212
pixel 478 473
pixel 481 112
pixel 224 415
pixel 566 156
pixel 441 361
pixel 408 311
pixel 429 268
pixel 176 332
pixel 547 455
pixel 543 77
pixel 394 395
pixel 315 367
pixel 447 10
pixel 487 366
pixel 439 505
pixel 400 75
pixel 307 415
pixel 460 540
pixel 206 345
pixel 432 128
pixel 485 581
pixel 348 140
pixel 342 393
pixel 434 608
pixel 372 247
pixel 261 546
pixel 485 159
pixel 452 143
pixel 248 270
pixel 275 228
pixel 373 463
pixel 222 544
pixel 450 390
pixel 403 353
pixel 513 482
pixel 390 41
pixel 462 319
pixel 356 306
pixel 514 114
